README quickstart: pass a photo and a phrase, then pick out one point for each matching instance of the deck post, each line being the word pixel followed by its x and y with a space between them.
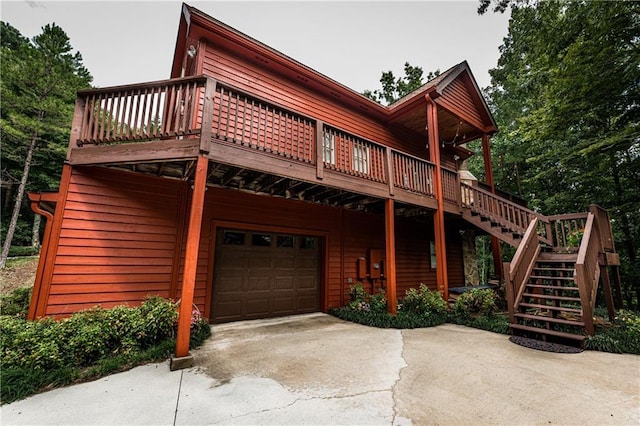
pixel 319 149
pixel 206 131
pixel 438 217
pixel 390 172
pixel 488 173
pixel 390 256
pixel 182 357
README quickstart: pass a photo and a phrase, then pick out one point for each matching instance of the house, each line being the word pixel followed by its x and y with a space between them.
pixel 253 186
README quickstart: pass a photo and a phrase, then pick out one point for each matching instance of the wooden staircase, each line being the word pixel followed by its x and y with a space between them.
pixel 552 281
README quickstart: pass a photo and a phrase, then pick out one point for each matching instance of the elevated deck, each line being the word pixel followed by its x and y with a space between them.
pixel 161 127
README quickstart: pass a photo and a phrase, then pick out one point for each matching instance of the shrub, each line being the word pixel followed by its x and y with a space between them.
pixel 15 251
pixel 622 337
pixel 16 302
pixel 476 301
pixel 88 344
pixel 423 301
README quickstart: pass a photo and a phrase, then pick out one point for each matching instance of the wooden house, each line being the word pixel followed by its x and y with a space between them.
pixel 253 186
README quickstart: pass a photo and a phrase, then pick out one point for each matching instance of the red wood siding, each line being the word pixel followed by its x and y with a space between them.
pixel 117 240
pixel 119 231
pixel 248 76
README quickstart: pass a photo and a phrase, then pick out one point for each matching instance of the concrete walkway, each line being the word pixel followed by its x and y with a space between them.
pixel 315 369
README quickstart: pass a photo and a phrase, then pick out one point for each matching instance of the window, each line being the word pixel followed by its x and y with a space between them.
pixel 285 241
pixel 308 242
pixel 432 251
pixel 329 149
pixel 233 238
pixel 261 240
pixel 361 159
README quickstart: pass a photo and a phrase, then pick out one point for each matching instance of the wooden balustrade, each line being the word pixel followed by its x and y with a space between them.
pixel 503 212
pixel 566 230
pixel 140 112
pixel 522 264
pixel 349 154
pixel 450 186
pixel 255 123
pixel 588 270
pixel 412 174
pixel 175 109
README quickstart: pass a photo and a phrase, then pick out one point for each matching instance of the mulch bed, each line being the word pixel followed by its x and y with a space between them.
pixel 544 346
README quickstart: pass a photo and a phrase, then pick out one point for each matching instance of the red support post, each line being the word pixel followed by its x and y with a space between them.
pixel 390 256
pixel 488 173
pixel 438 220
pixel 191 258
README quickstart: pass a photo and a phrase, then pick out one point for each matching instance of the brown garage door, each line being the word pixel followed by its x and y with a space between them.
pixel 262 275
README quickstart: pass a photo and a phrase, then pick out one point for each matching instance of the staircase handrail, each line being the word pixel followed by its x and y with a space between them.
pixel 588 270
pixel 505 212
pixel 523 262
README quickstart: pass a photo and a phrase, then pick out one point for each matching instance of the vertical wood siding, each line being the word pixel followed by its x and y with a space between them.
pixel 117 240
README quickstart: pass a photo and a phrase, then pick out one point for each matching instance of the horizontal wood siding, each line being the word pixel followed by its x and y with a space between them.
pixel 248 76
pixel 117 240
pixel 456 97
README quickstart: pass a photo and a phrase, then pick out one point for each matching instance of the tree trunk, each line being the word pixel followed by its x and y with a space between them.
pixel 35 231
pixel 18 202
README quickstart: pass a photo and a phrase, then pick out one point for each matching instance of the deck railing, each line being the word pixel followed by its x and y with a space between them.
pixel 176 110
pixel 139 112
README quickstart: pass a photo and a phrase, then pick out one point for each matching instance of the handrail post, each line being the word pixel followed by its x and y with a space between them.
pixel 77 124
pixel 508 288
pixel 319 149
pixel 390 172
pixel 206 129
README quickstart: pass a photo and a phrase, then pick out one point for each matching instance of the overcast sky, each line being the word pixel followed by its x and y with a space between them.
pixel 351 42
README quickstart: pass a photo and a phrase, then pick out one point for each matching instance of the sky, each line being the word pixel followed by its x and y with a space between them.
pixel 125 42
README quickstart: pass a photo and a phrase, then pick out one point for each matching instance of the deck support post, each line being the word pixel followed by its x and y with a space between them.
pixel 438 217
pixel 191 263
pixel 390 256
pixel 488 173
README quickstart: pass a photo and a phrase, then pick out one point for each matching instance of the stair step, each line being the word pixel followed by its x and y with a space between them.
pixel 549 319
pixel 552 297
pixel 562 334
pixel 553 287
pixel 549 277
pixel 554 269
pixel 551 257
pixel 553 308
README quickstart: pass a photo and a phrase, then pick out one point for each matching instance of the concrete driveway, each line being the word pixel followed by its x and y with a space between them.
pixel 315 369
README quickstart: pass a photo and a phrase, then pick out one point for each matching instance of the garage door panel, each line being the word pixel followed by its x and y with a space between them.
pixel 260 275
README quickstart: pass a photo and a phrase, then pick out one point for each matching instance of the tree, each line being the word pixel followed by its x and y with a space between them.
pixel 39 82
pixel 566 96
pixel 395 88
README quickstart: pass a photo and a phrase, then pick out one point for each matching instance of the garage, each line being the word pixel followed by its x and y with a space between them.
pixel 264 274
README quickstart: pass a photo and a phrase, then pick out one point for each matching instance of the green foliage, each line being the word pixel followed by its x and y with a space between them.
pixel 40 78
pixel 496 323
pixel 622 337
pixel 420 308
pixel 16 251
pixel 475 301
pixel 423 302
pixel 564 94
pixel 46 353
pixel 16 303
pixel 394 88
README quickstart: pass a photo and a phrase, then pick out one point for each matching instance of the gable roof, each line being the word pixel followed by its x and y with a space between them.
pixel 196 23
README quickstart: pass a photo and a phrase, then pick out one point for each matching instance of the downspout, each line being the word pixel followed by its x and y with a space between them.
pixel 438 222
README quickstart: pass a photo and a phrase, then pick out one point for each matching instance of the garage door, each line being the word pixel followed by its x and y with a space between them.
pixel 262 275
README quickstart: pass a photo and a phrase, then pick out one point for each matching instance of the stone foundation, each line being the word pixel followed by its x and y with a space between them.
pixel 470 258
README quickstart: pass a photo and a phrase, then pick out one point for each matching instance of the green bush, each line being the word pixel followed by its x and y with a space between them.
pixel 476 301
pixel 16 303
pixel 15 251
pixel 622 337
pixel 419 308
pixel 87 344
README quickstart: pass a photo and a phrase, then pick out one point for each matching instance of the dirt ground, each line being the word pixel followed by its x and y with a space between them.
pixel 19 272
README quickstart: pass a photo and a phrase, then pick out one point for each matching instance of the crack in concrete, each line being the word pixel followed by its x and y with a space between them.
pixel 395 385
pixel 311 398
